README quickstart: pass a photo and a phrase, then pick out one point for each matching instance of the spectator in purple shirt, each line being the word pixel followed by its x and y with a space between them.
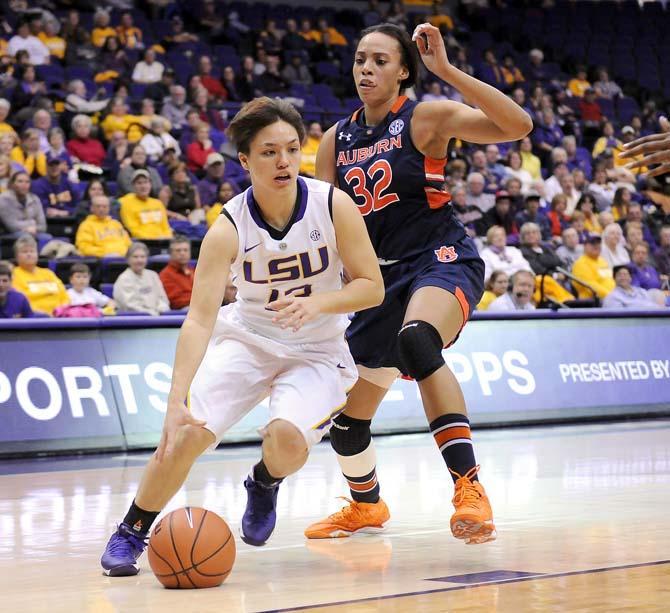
pixel 208 186
pixel 662 254
pixel 578 157
pixel 644 275
pixel 55 191
pixel 532 213
pixel 13 304
pixel 547 134
pixel 626 296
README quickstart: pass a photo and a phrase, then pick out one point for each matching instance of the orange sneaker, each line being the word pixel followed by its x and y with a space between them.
pixel 356 517
pixel 473 519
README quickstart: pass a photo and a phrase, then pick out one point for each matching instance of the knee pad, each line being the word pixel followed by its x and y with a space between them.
pixel 419 349
pixel 349 436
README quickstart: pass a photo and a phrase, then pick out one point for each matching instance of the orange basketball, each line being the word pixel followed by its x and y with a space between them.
pixel 191 548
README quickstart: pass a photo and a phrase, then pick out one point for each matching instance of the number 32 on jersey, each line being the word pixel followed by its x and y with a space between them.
pixel 376 200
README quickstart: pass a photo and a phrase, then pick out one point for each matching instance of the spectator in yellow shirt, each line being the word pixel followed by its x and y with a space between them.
pixel 143 216
pixel 54 43
pixel 336 37
pixel 309 149
pixel 226 192
pixel 308 32
pixel 29 155
pixel 99 235
pixel 607 141
pixel 129 36
pixel 580 83
pixel 593 269
pixel 529 161
pixel 44 290
pixel 118 120
pixel 5 107
pixel 495 287
pixel 102 29
pixel 439 18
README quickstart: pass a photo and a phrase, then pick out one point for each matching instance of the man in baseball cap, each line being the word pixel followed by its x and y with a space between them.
pixel 144 217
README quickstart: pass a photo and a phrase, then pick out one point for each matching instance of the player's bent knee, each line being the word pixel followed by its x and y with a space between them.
pixel 419 349
pixel 348 435
pixel 193 440
pixel 285 440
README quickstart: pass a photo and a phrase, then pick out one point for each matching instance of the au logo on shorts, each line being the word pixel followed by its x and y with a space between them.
pixel 446 254
pixel 396 127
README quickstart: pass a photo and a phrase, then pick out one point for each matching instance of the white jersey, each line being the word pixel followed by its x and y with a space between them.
pixel 300 260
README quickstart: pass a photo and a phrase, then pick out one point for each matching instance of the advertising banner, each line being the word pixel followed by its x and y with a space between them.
pixel 74 389
pixel 55 393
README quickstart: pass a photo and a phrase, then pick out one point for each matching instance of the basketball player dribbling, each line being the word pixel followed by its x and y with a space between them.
pixel 389 156
pixel 286 240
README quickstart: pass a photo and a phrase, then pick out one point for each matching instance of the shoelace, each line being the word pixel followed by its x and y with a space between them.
pixel 352 511
pixel 465 490
pixel 124 540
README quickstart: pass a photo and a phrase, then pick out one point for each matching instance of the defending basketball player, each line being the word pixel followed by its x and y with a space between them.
pixel 389 156
pixel 286 240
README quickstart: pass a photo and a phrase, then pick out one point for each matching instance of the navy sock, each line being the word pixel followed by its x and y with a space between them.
pixel 139 519
pixel 262 475
pixel 454 440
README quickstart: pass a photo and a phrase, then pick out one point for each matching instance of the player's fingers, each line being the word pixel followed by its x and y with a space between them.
pixel 654 158
pixel 285 312
pixel 665 124
pixel 293 320
pixel 651 138
pixel 649 147
pixel 281 303
pixel 662 169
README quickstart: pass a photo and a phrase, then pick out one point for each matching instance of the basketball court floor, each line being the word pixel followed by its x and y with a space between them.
pixel 582 515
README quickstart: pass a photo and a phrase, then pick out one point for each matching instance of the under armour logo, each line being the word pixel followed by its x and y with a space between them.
pixel 344 136
pixel 446 254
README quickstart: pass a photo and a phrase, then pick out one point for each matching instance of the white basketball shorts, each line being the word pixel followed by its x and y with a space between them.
pixel 307 383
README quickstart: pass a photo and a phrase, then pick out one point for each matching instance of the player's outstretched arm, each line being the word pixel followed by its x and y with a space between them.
pixel 654 149
pixel 498 118
pixel 364 290
pixel 219 249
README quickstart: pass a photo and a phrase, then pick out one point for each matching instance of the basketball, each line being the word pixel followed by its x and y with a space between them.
pixel 191 548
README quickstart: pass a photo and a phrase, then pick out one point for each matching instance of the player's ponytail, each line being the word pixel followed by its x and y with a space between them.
pixel 408 53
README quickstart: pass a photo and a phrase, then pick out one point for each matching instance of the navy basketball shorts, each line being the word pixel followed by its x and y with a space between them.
pixel 372 334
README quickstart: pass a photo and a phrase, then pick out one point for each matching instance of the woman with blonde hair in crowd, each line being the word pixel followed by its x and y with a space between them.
pixel 5 172
pixel 613 248
pixel 44 290
pixel 495 287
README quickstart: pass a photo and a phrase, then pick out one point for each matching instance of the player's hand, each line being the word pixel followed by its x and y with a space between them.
pixel 177 415
pixel 654 148
pixel 431 47
pixel 295 312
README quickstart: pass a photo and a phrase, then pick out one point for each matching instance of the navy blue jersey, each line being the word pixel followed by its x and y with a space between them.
pixel 400 192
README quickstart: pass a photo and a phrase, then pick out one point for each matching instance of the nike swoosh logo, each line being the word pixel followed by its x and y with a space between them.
pixel 340 366
pixel 247 249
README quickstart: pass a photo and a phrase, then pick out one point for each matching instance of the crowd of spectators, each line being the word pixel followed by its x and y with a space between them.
pixel 112 142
